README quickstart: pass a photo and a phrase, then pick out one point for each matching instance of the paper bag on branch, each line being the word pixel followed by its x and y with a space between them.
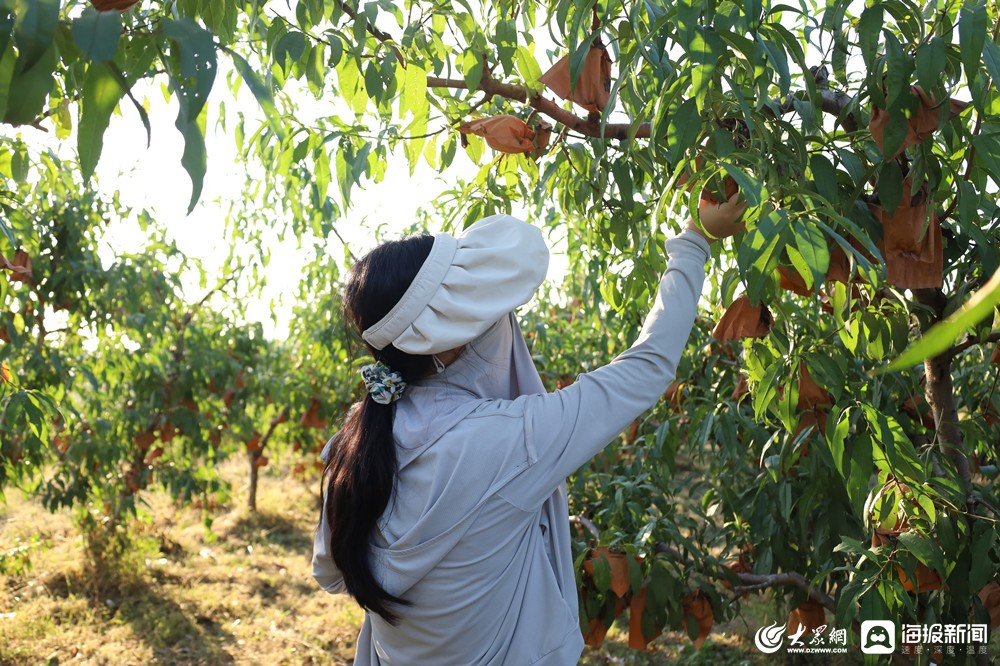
pixel 743 320
pixel 593 88
pixel 811 394
pixel 509 134
pixel 990 598
pixel 840 265
pixel 19 267
pixel 920 125
pixel 793 282
pixel 912 244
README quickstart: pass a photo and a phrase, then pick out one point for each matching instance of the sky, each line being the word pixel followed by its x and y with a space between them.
pixel 153 179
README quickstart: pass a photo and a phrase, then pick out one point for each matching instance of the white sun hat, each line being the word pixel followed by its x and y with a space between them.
pixel 467 283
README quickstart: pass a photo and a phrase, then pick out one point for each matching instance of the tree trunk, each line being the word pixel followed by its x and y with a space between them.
pixel 254 475
pixel 940 393
pixel 254 456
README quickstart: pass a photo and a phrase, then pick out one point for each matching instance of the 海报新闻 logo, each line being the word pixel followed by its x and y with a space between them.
pixel 878 636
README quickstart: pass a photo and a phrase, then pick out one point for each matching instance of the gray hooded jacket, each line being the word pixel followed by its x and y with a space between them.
pixel 476 536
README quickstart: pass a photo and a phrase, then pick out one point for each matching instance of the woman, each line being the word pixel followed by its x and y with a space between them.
pixel 445 511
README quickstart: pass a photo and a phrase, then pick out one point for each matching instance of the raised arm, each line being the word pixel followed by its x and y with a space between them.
pixel 566 428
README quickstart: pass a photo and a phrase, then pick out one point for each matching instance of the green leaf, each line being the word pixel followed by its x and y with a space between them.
pixel 261 92
pixel 987 154
pixel 198 63
pixel 767 389
pixel 969 222
pixel 899 66
pixel 890 186
pixel 992 59
pixel 924 548
pixel 776 56
pixel 602 573
pixel 316 70
pixel 373 82
pixel 506 43
pixel 125 84
pixel 414 91
pixel 824 176
pixel 6 27
pixel 7 61
pixel 336 50
pixel 194 160
pixel 836 440
pixel 983 568
pixel 869 29
pixel 683 129
pixel 97 34
pixel 289 49
pixel 193 82
pixel 213 13
pixel 763 243
pixel 860 470
pixel 811 244
pixel 472 69
pixel 101 94
pixel 930 61
pixel 31 87
pixel 34 29
pixel 634 570
pixel 943 334
pixel 972 21
pixel 750 188
pixel 528 68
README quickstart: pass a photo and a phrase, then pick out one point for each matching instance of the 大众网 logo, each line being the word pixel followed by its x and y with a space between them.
pixel 769 639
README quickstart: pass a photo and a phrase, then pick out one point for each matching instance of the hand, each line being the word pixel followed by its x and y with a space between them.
pixel 719 220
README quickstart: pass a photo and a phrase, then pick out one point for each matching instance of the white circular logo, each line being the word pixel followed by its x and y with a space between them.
pixel 768 639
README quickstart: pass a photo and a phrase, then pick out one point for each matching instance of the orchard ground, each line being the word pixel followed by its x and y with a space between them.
pixel 237 593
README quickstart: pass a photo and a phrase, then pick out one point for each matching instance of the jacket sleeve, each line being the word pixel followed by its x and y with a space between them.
pixel 325 571
pixel 564 429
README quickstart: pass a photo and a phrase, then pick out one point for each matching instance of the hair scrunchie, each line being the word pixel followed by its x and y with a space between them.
pixel 385 385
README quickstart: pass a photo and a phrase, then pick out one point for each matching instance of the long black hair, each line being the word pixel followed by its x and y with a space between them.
pixel 360 474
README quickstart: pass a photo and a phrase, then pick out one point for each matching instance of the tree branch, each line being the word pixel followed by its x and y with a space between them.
pixel 787 579
pixel 586 524
pixel 754 582
pixel 760 582
pixel 833 102
pixel 972 341
pixel 270 430
pixel 381 36
pixel 586 126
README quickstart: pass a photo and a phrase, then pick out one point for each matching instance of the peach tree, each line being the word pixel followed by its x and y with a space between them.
pixel 865 146
pixel 863 139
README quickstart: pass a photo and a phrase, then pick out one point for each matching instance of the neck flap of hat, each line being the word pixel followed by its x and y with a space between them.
pixel 495 365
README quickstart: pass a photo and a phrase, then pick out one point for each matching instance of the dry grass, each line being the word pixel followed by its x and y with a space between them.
pixel 240 592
